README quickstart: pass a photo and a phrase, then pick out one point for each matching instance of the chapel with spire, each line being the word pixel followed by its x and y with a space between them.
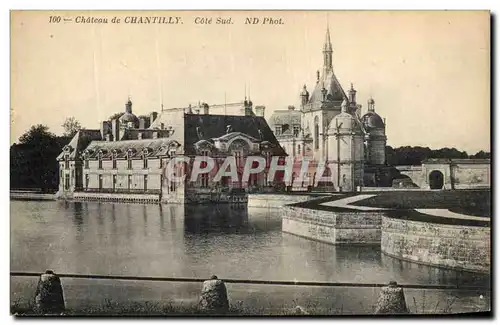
pixel 329 127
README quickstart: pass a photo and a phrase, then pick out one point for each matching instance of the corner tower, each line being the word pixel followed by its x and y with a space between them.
pixel 346 151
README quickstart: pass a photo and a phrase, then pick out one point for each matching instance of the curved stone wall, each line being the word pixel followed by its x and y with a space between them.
pixel 457 245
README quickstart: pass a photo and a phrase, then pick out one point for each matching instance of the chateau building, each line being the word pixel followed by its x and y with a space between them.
pixel 126 159
pixel 330 128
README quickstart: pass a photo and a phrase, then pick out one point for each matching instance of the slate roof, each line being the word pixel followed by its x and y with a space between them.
pixel 156 147
pixel 80 141
pixel 333 87
pixel 281 117
pixel 215 126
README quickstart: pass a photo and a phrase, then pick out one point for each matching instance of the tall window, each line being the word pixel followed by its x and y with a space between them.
pixel 114 161
pixel 87 162
pixel 87 179
pixel 161 163
pixel 296 130
pixel 316 132
pixel 66 182
pixel 129 160
pixel 267 154
pixel 145 182
pixel 298 149
pixel 100 182
pixel 114 182
pixel 129 182
pixel 203 164
pixel 66 162
pixel 278 129
pixel 99 157
pixel 145 161
pixel 238 158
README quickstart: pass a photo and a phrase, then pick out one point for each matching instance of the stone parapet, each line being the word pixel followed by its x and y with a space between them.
pixel 450 246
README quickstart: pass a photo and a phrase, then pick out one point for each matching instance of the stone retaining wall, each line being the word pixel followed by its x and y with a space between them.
pixel 333 227
pixel 117 197
pixel 275 200
pixel 449 246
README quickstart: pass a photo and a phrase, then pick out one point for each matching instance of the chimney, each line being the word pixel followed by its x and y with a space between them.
pixel 247 104
pixel 139 136
pixel 291 107
pixel 260 110
pixel 115 125
pixel 142 123
pixel 206 109
pixel 152 117
pixel 105 129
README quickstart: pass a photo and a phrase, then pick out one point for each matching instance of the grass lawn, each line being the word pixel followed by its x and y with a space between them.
pixel 470 202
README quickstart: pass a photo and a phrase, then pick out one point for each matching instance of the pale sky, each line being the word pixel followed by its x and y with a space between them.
pixel 428 72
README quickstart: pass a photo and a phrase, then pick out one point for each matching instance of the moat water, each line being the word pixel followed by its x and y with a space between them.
pixel 173 241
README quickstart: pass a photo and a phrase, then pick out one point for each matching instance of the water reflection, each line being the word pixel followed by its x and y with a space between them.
pixel 185 241
pixel 77 219
pixel 222 219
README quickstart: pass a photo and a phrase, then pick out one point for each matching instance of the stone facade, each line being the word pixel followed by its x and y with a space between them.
pixel 450 173
pixel 450 246
pixel 128 156
pixel 312 131
pixel 361 228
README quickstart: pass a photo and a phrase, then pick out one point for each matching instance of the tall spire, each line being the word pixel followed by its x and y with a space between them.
pixel 327 51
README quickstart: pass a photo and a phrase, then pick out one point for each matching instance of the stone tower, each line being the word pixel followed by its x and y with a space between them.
pixel 376 138
pixel 345 151
pixel 322 104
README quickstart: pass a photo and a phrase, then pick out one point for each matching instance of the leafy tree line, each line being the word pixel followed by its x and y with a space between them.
pixel 33 159
pixel 416 155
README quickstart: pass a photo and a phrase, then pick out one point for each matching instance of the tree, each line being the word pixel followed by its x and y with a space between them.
pixel 33 161
pixel 37 135
pixel 71 126
pixel 481 155
pixel 115 116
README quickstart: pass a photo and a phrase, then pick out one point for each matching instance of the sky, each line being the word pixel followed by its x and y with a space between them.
pixel 429 72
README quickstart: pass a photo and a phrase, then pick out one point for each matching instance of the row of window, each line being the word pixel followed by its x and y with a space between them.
pixel 129 163
pixel 129 182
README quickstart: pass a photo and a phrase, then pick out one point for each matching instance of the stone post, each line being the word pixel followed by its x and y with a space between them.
pixel 49 298
pixel 391 300
pixel 213 297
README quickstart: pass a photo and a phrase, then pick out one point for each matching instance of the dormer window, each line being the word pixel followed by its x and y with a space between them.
pixel 66 161
pixel 86 161
pixel 296 131
pixel 278 130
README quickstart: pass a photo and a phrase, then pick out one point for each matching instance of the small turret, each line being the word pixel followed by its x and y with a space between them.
pixel 352 95
pixel 128 106
pixel 304 96
pixel 371 105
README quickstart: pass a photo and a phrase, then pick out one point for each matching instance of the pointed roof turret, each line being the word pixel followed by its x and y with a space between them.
pixel 328 44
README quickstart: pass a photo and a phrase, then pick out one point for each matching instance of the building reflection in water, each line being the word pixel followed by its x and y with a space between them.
pixel 77 219
pixel 217 218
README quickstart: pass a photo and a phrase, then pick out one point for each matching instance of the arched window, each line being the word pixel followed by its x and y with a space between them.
pixel 316 132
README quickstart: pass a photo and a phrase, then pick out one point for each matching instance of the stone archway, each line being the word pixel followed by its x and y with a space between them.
pixel 436 180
